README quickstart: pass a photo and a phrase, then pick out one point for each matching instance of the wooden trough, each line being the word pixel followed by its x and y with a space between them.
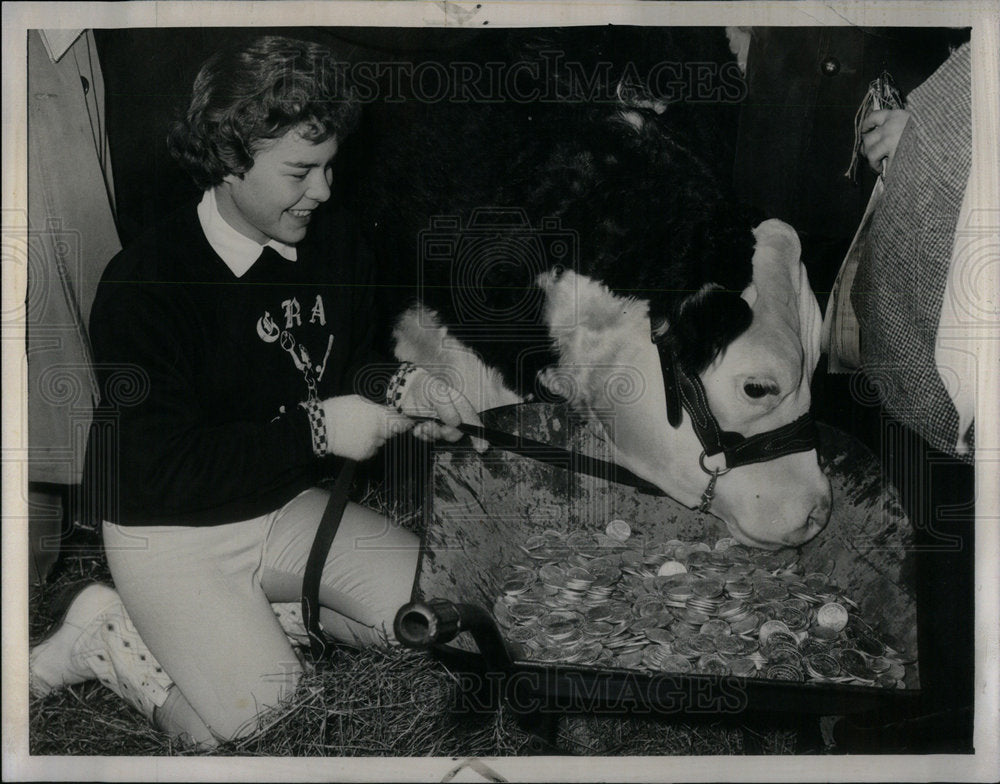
pixel 481 510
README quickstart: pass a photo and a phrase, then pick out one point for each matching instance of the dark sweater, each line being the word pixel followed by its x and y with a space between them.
pixel 202 372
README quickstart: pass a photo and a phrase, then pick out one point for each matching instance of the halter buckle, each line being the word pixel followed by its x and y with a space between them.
pixel 714 474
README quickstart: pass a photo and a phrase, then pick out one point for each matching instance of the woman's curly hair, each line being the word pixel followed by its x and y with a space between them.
pixel 247 95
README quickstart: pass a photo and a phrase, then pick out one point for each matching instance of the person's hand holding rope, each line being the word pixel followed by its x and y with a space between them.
pixel 417 392
pixel 880 135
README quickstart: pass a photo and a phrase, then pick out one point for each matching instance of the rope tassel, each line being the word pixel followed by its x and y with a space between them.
pixel 882 94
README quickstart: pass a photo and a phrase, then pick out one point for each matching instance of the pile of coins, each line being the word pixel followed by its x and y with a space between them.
pixel 615 599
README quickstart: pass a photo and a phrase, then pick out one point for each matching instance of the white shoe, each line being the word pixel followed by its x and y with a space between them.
pixel 55 662
pixel 96 639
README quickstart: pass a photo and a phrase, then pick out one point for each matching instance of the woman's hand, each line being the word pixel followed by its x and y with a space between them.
pixel 356 428
pixel 880 134
pixel 426 394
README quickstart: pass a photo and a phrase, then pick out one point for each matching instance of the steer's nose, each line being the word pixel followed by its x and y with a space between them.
pixel 815 522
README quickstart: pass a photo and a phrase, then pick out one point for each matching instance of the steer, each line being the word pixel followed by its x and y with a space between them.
pixel 609 367
pixel 617 274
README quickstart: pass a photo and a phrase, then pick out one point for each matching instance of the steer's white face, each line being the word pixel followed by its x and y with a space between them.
pixel 760 382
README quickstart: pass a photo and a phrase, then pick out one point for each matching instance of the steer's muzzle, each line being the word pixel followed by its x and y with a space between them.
pixel 781 503
pixel 816 521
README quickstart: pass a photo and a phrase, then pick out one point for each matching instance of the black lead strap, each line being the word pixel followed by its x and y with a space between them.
pixel 558 456
pixel 519 445
pixel 326 531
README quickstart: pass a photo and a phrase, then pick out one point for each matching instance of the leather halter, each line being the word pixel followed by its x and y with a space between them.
pixel 685 392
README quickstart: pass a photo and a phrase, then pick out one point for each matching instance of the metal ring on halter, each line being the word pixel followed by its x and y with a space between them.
pixel 717 472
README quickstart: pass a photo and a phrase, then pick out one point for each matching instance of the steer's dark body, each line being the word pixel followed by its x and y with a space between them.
pixel 643 208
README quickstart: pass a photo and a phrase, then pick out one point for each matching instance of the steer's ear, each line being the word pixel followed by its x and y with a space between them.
pixel 778 243
pixel 705 323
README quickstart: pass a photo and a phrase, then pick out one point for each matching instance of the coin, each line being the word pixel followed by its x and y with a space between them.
pixel 804 593
pixel 680 593
pixel 780 637
pixel 517 585
pixel 708 588
pixel 597 629
pixel 746 625
pixel 718 562
pixel 832 616
pixel 869 645
pixel 855 664
pixel 668 568
pixel 729 644
pixel 769 627
pixel 712 664
pixel 782 654
pixel 559 620
pixel 629 661
pixel 824 633
pixel 707 606
pixel 794 618
pixel 810 645
pixel 567 637
pixel 734 608
pixel 598 612
pixel 772 592
pixel 896 671
pixel 527 610
pixel 618 613
pixel 648 604
pixel 618 530
pixel 522 634
pixel 533 542
pixel 588 653
pixel 683 647
pixel 660 635
pixel 817 581
pixel 641 624
pixel 822 665
pixel 579 540
pixel 675 663
pixel 750 645
pixel 784 672
pixel 715 626
pixel 703 643
pixel 768 562
pixel 696 617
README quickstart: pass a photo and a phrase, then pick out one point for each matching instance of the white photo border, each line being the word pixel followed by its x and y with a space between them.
pixel 983 17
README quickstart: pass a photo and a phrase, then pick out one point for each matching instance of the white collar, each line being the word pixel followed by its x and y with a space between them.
pixel 238 251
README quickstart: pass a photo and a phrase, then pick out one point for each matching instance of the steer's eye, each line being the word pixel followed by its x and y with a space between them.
pixel 757 389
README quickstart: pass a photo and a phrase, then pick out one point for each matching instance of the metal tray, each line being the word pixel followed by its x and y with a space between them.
pixel 481 508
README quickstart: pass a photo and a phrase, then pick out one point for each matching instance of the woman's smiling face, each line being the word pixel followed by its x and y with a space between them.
pixel 290 177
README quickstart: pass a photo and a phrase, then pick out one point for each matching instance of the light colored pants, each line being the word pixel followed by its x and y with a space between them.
pixel 200 598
